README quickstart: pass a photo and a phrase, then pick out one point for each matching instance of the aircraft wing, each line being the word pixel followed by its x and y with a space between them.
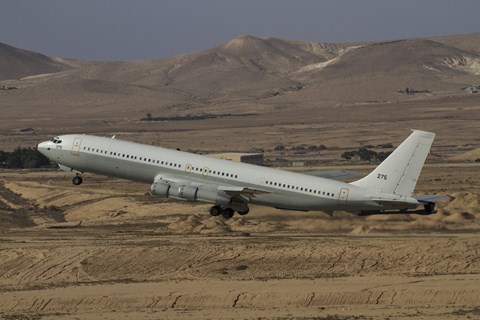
pixel 238 192
pixel 242 192
pixel 335 174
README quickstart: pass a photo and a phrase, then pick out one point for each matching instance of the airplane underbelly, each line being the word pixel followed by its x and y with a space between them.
pixel 297 202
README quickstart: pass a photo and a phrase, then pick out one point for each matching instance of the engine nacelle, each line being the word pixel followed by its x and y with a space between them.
pixel 213 196
pixel 182 192
pixel 160 189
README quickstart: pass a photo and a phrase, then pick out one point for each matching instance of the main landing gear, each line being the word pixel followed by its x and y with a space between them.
pixel 77 180
pixel 227 213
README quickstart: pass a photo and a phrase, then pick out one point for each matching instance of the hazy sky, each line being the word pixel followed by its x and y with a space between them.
pixel 147 29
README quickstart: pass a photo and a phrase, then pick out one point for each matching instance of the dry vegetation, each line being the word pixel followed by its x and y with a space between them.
pixel 108 250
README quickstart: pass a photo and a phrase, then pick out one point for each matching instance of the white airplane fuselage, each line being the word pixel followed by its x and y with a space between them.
pixel 216 178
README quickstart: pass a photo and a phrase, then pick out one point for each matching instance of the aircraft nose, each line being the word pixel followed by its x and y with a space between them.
pixel 43 147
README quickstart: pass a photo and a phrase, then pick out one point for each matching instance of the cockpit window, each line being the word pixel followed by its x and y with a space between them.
pixel 56 140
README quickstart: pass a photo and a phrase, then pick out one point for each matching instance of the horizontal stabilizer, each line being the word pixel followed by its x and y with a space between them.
pixel 431 198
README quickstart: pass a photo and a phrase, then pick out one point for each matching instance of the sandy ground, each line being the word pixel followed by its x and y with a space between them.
pixel 108 250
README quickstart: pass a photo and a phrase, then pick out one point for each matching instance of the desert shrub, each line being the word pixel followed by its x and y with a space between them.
pixel 365 155
pixel 23 158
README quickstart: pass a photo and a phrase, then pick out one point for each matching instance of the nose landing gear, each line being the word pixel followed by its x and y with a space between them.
pixel 77 180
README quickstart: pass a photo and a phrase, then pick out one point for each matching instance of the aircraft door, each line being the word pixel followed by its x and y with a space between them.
pixel 188 168
pixel 343 196
pixel 77 142
pixel 205 171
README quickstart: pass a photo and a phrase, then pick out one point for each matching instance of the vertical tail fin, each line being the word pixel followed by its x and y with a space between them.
pixel 398 174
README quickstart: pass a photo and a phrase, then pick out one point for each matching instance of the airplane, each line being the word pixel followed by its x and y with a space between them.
pixel 233 186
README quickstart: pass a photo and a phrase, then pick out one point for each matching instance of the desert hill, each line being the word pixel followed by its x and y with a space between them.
pixel 246 75
pixel 406 58
pixel 468 42
pixel 17 63
pixel 378 71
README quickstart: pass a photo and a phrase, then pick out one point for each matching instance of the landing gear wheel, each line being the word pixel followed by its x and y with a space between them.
pixel 215 211
pixel 228 213
pixel 242 213
pixel 77 180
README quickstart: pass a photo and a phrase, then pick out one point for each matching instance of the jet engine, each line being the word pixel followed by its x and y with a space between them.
pixel 160 189
pixel 189 193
